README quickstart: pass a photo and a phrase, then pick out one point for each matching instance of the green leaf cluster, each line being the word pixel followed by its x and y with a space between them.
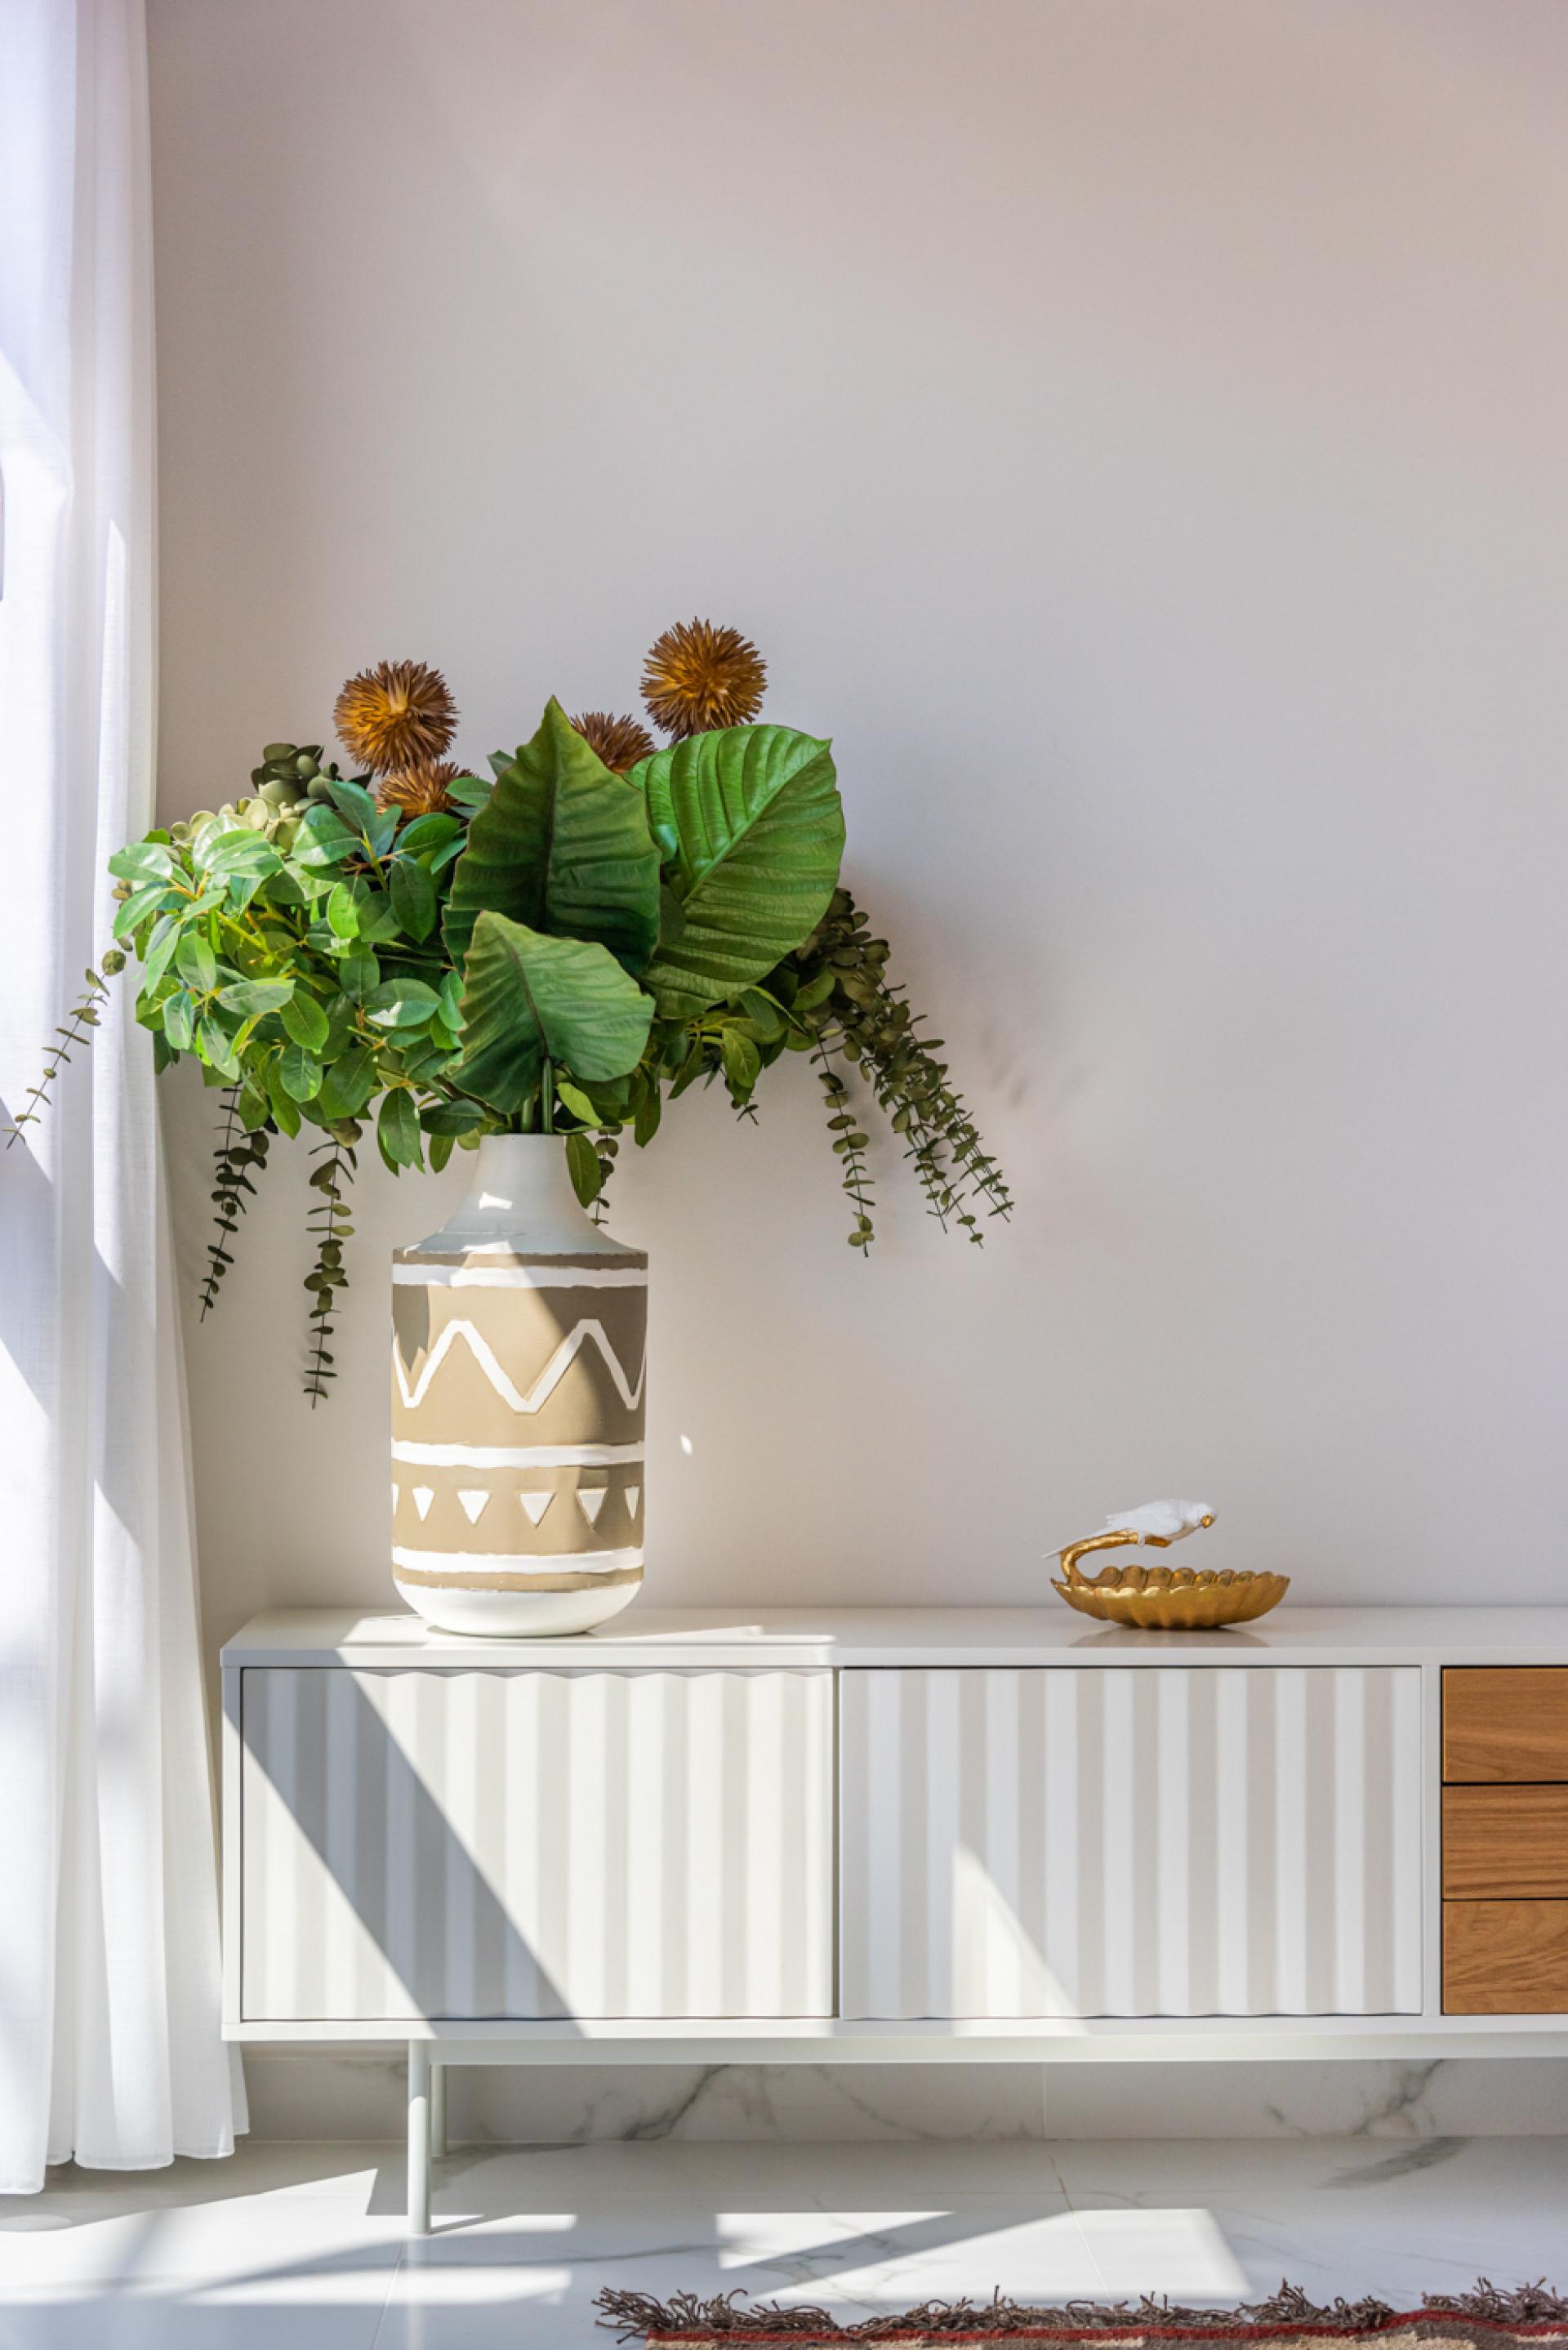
pixel 563 949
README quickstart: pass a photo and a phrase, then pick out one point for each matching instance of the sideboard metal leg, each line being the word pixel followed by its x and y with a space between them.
pixel 437 2110
pixel 419 2222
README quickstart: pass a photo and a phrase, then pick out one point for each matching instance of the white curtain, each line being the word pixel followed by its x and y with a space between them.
pixel 110 2044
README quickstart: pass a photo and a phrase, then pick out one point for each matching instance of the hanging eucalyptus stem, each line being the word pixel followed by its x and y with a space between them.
pixel 330 1227
pixel 82 1019
pixel 850 1144
pixel 846 969
pixel 236 1153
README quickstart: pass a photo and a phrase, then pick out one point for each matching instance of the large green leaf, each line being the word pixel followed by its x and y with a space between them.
pixel 562 845
pixel 752 829
pixel 527 998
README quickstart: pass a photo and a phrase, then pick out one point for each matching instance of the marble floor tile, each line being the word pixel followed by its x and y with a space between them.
pixel 1333 2215
pixel 292 2247
pixel 165 2317
pixel 294 2215
pixel 456 2289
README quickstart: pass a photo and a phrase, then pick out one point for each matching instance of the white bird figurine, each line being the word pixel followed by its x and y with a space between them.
pixel 1163 1599
pixel 1166 1522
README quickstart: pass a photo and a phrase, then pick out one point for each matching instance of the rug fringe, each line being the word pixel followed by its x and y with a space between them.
pixel 638 2316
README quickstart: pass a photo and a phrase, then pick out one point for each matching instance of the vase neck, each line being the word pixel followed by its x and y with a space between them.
pixel 522 1197
pixel 522 1175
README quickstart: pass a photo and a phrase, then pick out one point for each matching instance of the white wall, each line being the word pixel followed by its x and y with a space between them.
pixel 1136 434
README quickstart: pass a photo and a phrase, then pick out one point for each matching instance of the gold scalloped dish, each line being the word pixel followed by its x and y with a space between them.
pixel 1173 1598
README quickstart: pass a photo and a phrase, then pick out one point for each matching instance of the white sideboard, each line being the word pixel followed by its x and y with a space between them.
pixel 897 1835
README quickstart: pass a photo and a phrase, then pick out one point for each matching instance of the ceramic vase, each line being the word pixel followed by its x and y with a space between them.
pixel 517 1406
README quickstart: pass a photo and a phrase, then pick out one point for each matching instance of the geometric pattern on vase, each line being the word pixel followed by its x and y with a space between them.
pixel 517 1380
pixel 461 1328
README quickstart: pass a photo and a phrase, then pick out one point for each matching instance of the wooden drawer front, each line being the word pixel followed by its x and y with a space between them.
pixel 1167 1841
pixel 532 1844
pixel 1505 1842
pixel 1505 1958
pixel 1505 1722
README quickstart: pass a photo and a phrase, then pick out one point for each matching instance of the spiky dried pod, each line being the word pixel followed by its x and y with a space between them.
pixel 619 743
pixel 419 791
pixel 395 718
pixel 698 677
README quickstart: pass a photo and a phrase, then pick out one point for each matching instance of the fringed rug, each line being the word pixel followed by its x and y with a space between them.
pixel 1486 2319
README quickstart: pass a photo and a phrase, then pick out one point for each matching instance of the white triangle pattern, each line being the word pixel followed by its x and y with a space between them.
pixel 591 1501
pixel 473 1503
pixel 535 1504
pixel 394 1493
pixel 423 1496
pixel 633 1495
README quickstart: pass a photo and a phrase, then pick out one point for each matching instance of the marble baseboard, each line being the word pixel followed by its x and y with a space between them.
pixel 330 2094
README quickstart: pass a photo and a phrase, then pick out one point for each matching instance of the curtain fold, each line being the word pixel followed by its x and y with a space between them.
pixel 110 2049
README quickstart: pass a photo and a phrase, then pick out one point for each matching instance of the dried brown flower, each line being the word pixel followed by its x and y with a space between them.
pixel 419 791
pixel 700 677
pixel 395 718
pixel 620 743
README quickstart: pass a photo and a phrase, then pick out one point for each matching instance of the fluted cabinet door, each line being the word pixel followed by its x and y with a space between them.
pixel 534 1844
pixel 1165 1841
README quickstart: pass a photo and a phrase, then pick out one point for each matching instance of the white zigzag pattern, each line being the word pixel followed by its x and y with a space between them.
pixel 544 1387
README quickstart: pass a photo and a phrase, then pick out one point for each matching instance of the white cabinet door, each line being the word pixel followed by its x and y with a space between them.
pixel 529 1843
pixel 1150 1841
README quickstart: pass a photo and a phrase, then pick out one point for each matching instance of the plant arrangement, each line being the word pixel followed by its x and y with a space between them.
pixel 412 951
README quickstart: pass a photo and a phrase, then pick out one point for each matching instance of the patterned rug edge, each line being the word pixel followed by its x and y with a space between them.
pixel 1490 2314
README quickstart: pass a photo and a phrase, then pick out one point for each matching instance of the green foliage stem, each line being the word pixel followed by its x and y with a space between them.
pixel 330 1227
pixel 848 1143
pixel 845 968
pixel 236 1153
pixel 80 1022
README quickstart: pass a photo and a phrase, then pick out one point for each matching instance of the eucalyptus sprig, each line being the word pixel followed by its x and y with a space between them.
pixel 236 1153
pixel 80 1022
pixel 849 1143
pixel 844 971
pixel 330 1228
pixel 832 998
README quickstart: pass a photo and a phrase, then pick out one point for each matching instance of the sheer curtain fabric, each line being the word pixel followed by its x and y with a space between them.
pixel 109 2042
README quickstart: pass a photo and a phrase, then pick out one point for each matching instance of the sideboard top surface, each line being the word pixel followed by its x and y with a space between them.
pixel 692 1639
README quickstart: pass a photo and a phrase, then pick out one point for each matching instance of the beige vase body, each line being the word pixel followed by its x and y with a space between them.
pixel 518 1338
